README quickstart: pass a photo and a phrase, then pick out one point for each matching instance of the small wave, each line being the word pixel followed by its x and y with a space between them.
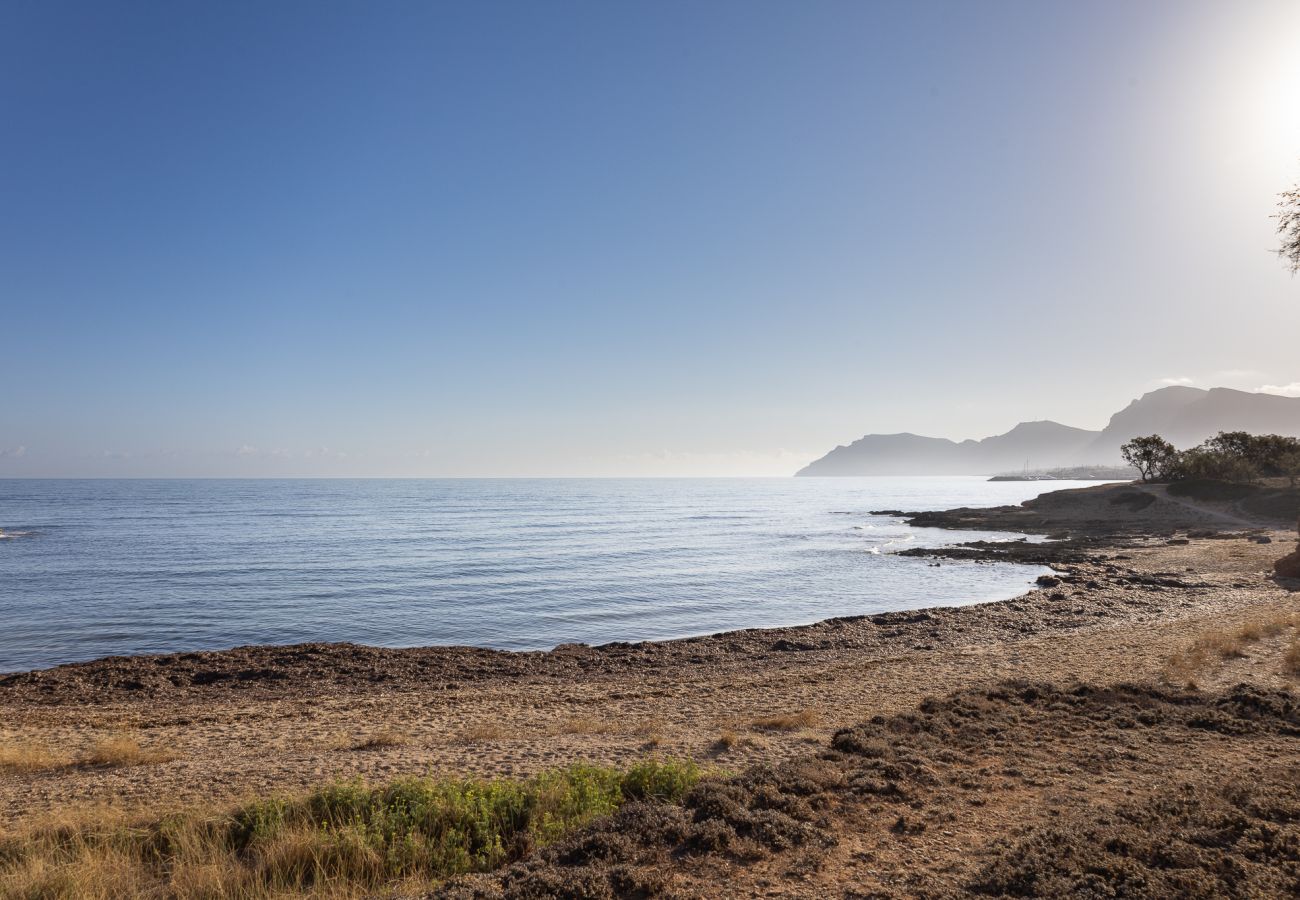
pixel 13 534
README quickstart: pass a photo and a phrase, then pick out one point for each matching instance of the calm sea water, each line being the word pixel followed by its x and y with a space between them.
pixel 113 567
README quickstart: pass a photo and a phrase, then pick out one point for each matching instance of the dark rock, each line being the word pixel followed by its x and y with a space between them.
pixel 1289 565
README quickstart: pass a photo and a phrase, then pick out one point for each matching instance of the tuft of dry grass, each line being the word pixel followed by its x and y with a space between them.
pixel 804 718
pixel 111 752
pixel 29 758
pixel 584 725
pixel 122 750
pixel 1213 647
pixel 1291 658
pixel 726 740
pixel 383 739
pixel 651 731
pixel 483 731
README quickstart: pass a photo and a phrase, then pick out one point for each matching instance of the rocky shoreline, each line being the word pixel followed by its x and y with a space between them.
pixel 1129 588
pixel 1093 532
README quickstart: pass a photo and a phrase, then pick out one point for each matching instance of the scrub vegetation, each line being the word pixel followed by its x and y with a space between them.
pixel 346 839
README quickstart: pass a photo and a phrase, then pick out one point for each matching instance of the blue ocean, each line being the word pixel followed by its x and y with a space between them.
pixel 102 567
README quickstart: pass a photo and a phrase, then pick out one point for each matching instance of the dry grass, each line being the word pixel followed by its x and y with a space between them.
pixel 31 758
pixel 346 839
pixel 483 731
pixel 111 752
pixel 384 739
pixel 1291 658
pixel 651 731
pixel 1214 647
pixel 804 718
pixel 122 750
pixel 726 740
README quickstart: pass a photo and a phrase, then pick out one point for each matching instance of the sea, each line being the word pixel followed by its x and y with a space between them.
pixel 94 568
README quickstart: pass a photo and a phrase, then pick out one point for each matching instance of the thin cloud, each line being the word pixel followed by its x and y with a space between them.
pixel 1282 390
pixel 327 453
pixel 1183 380
pixel 13 452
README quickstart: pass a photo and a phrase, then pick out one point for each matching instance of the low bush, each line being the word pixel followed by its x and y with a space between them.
pixel 1212 490
pixel 346 839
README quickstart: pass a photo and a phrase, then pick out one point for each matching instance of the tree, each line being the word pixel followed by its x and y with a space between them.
pixel 1208 463
pixel 1152 456
pixel 1251 455
pixel 1234 443
pixel 1289 464
pixel 1288 228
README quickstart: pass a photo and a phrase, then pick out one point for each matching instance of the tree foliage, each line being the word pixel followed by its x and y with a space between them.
pixel 1236 456
pixel 1152 456
pixel 1288 228
pixel 1289 463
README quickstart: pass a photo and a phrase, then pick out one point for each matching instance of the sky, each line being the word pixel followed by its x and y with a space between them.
pixel 656 238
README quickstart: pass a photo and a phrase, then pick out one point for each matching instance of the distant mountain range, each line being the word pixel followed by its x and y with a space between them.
pixel 1183 415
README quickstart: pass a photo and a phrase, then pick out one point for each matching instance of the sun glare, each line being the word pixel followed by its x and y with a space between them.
pixel 1267 137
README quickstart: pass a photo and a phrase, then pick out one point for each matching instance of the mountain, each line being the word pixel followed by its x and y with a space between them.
pixel 1040 443
pixel 1183 415
pixel 1186 416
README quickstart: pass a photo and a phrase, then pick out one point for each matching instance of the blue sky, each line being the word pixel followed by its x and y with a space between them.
pixel 624 238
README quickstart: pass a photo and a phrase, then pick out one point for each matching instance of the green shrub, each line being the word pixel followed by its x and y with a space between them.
pixel 666 781
pixel 345 834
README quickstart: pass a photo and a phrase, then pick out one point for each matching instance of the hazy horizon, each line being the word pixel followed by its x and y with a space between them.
pixel 582 239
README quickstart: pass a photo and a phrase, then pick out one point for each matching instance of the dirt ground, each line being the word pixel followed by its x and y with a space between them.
pixel 1021 789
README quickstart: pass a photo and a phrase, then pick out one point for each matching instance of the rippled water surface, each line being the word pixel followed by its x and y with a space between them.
pixel 106 567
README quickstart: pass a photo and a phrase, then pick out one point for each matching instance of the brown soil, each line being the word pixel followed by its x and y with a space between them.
pixel 1137 581
pixel 1017 790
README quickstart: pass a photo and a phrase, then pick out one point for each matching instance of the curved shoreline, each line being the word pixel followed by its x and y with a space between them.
pixel 271 719
pixel 1093 525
